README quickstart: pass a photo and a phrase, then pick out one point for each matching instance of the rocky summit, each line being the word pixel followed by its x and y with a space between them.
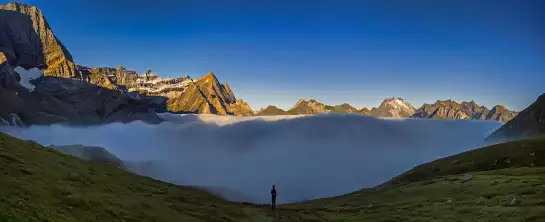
pixel 393 107
pixel 207 96
pixel 271 111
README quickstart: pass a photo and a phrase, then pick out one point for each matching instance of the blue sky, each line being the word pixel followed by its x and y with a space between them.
pixel 359 52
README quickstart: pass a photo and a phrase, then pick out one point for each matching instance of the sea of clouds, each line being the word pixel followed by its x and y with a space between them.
pixel 306 157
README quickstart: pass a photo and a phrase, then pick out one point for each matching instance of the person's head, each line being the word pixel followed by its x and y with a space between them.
pixel 273 186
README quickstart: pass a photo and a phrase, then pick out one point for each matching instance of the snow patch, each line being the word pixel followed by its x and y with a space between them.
pixel 28 75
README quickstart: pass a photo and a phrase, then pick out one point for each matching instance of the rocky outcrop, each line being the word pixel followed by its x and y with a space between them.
pixel 271 111
pixel 27 41
pixel 129 81
pixel 449 109
pixel 393 107
pixel 530 122
pixel 240 108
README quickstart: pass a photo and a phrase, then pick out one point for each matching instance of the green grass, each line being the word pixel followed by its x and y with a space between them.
pixel 484 198
pixel 41 184
pixel 520 153
pixel 500 173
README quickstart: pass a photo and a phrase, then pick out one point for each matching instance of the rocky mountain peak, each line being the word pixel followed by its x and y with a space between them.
pixel 299 102
pixel 394 107
pixel 150 73
pixel 396 103
pixel 28 41
pixel 209 77
pixel 498 108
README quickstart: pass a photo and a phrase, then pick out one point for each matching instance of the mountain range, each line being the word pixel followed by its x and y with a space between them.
pixel 398 107
pixel 75 94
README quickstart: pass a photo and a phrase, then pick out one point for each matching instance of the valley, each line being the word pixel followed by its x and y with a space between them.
pixel 104 142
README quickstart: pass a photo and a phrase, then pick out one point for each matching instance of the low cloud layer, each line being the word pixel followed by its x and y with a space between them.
pixel 307 157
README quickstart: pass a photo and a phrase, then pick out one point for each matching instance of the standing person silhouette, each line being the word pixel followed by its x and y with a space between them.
pixel 273 196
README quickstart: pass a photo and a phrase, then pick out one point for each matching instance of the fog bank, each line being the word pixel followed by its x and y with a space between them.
pixel 307 157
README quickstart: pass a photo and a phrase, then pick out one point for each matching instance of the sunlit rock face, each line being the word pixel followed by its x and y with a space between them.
pixel 28 41
pixel 29 75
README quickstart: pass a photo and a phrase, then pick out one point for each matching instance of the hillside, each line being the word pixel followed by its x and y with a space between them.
pixel 438 191
pixel 521 153
pixel 528 123
pixel 41 184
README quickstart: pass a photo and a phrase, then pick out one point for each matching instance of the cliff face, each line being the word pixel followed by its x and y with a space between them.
pixel 48 96
pixel 182 95
pixel 529 122
pixel 129 81
pixel 27 41
pixel 207 96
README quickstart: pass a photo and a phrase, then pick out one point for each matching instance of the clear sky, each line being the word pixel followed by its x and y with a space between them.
pixel 335 51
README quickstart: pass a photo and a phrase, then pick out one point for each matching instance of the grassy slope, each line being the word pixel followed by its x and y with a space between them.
pixel 501 172
pixel 484 198
pixel 39 184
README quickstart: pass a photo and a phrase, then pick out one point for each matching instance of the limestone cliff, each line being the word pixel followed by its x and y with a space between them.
pixel 27 41
pixel 207 96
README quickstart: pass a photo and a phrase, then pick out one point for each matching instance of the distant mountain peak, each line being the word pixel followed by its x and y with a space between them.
pixel 396 103
pixel 299 102
pixel 394 107
pixel 209 77
pixel 150 74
